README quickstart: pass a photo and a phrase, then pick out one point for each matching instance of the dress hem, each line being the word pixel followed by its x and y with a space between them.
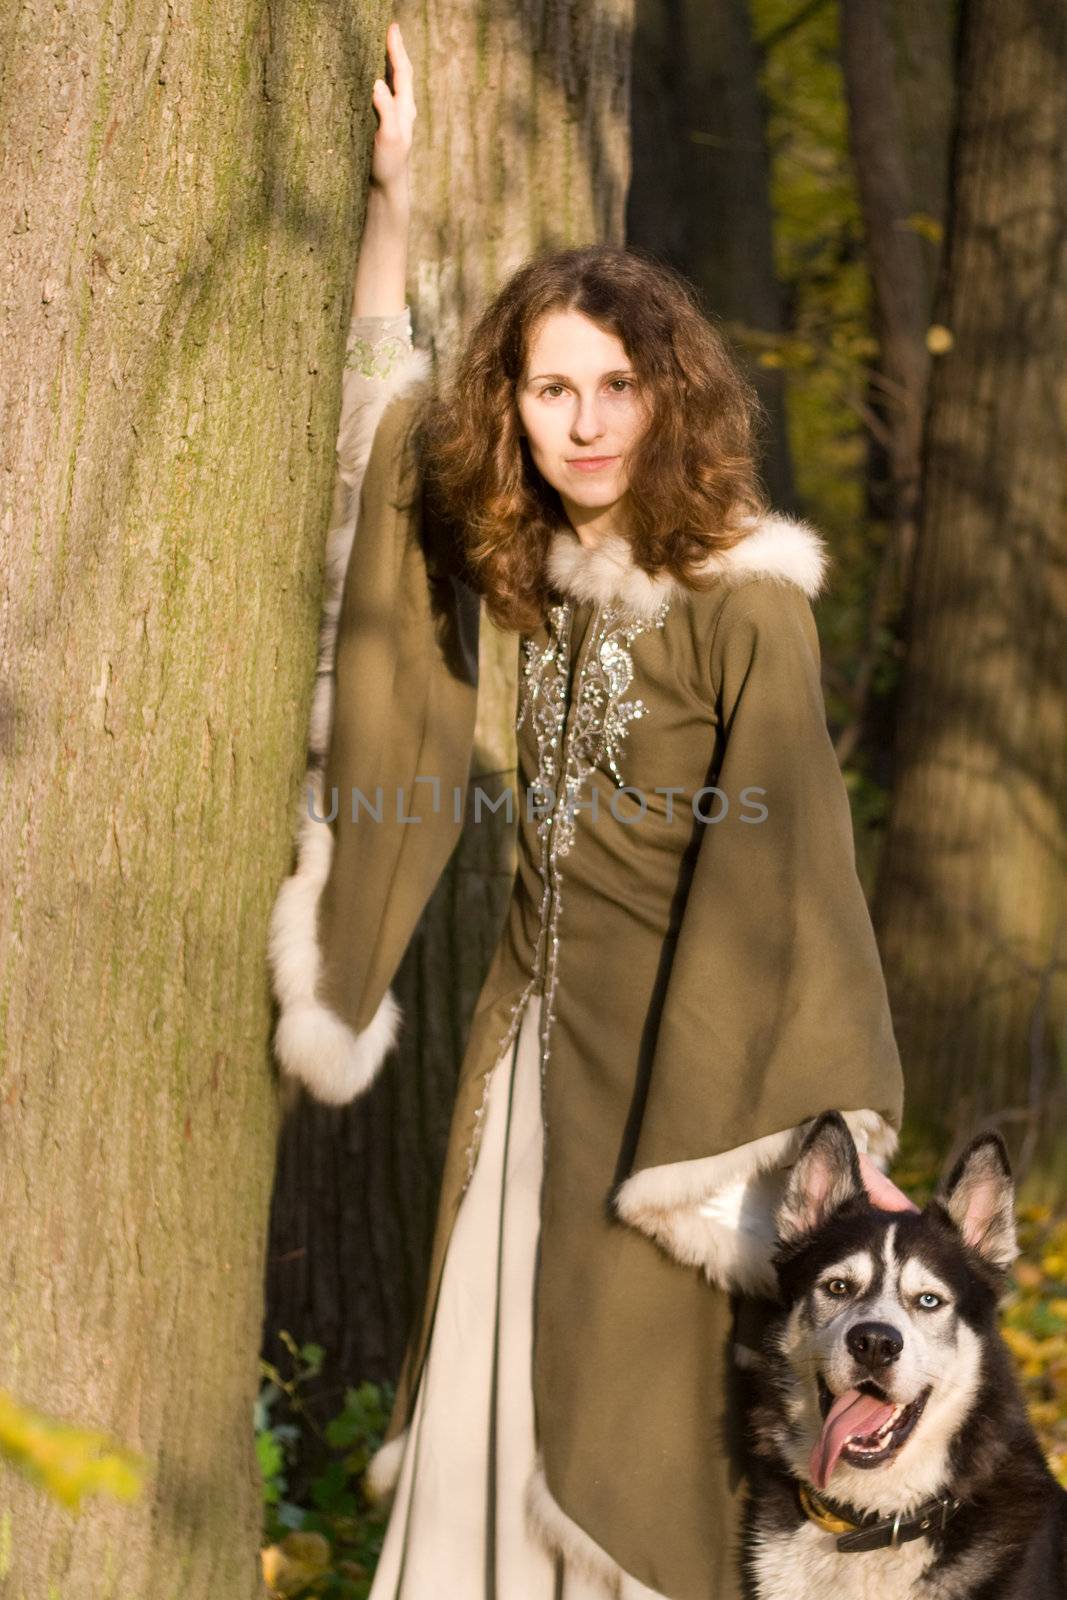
pixel 557 1533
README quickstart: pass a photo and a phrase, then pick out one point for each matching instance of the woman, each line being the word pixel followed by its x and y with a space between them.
pixel 687 973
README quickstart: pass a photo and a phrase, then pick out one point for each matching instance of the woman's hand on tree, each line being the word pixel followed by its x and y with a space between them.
pixel 396 116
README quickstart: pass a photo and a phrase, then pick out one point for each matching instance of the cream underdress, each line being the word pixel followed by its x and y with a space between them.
pixel 457 1529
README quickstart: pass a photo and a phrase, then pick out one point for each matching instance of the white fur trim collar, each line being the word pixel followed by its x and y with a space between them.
pixel 778 546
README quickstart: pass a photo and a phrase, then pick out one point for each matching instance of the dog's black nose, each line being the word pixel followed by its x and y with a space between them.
pixel 874 1344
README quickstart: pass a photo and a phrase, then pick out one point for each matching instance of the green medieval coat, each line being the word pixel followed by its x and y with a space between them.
pixel 686 901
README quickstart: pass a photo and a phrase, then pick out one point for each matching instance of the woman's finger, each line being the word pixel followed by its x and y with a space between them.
pixel 383 103
pixel 403 71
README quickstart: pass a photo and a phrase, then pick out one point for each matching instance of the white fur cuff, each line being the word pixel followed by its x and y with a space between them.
pixel 717 1213
pixel 311 1041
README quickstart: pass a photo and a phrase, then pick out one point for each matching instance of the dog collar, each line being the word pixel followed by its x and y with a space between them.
pixel 876 1533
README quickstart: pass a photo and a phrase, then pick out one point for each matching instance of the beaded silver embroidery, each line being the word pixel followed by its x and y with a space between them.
pixel 545 690
pixel 479 1124
pixel 598 726
pixel 601 716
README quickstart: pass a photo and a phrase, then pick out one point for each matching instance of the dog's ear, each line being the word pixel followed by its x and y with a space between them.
pixel 826 1174
pixel 980 1199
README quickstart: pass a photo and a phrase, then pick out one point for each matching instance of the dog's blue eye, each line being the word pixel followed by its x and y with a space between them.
pixel 929 1301
pixel 837 1286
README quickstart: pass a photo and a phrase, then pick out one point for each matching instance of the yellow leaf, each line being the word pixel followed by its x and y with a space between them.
pixel 1044 1413
pixel 312 1549
pixel 926 226
pixel 939 339
pixel 1021 1344
pixel 273 1564
pixel 289 1567
pixel 68 1461
pixel 864 346
pixel 1057 1377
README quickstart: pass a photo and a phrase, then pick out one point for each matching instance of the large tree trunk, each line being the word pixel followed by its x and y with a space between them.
pixel 898 61
pixel 179 194
pixel 896 258
pixel 895 253
pixel 521 144
pixel 700 196
pixel 972 902
pixel 922 41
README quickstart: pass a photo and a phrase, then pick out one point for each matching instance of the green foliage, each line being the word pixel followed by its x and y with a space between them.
pixel 68 1462
pixel 330 1546
pixel 870 810
pixel 820 263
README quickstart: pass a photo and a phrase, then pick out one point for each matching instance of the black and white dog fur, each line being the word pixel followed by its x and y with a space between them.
pixel 884 1387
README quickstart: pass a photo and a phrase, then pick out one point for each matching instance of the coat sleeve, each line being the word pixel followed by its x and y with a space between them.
pixel 776 1006
pixel 390 737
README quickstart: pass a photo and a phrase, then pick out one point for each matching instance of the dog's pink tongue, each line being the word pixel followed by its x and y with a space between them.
pixel 852 1416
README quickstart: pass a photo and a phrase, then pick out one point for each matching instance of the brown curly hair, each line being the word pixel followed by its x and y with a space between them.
pixel 692 474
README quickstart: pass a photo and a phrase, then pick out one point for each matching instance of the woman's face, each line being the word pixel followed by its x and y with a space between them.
pixel 578 402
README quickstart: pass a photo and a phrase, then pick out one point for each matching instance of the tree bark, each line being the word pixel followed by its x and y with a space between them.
pixel 894 253
pixel 922 39
pixel 899 250
pixel 521 144
pixel 971 900
pixel 700 196
pixel 180 189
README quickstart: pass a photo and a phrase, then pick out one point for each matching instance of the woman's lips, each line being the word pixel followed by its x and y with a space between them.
pixel 591 463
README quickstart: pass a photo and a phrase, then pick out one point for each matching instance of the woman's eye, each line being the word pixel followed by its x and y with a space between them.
pixel 837 1286
pixel 930 1301
pixel 552 389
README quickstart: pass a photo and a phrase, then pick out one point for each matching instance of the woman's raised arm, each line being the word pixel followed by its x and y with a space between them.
pixel 395 700
pixel 379 356
pixel 380 283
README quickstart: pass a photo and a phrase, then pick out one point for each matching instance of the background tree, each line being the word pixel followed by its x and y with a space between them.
pixel 521 143
pixel 900 243
pixel 972 899
pixel 179 205
pixel 700 195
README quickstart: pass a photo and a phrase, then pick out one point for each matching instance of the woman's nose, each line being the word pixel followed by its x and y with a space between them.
pixel 587 424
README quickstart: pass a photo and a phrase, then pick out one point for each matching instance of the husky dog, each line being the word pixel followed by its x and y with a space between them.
pixel 894 1459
